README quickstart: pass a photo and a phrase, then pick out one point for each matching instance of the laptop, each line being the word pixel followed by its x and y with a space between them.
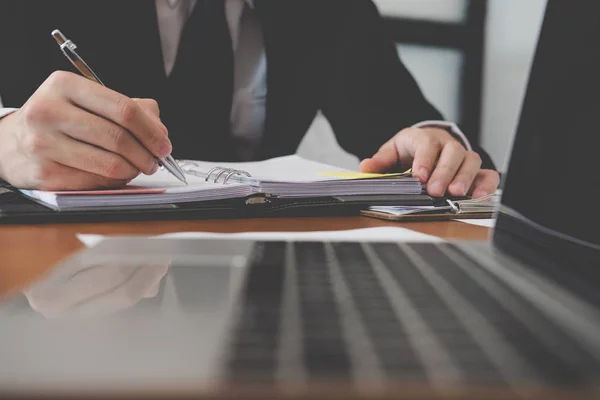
pixel 517 316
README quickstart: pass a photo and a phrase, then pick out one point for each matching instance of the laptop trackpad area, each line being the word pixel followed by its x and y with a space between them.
pixel 128 312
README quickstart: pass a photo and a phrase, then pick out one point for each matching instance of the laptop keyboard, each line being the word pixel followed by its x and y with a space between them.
pixel 383 312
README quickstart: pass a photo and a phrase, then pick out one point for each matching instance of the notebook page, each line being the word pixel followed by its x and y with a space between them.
pixel 280 169
pixel 164 180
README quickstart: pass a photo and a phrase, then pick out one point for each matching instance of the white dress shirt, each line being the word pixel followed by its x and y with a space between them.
pixel 250 81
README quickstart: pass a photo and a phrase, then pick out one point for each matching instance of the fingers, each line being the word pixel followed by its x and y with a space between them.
pixel 426 154
pixel 52 176
pixel 486 182
pixel 89 128
pixel 81 156
pixel 412 147
pixel 115 107
pixel 466 174
pixel 452 157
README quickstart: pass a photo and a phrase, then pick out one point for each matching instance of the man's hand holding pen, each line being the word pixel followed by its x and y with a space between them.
pixel 74 134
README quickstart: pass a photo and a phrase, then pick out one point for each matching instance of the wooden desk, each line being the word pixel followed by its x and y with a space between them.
pixel 29 250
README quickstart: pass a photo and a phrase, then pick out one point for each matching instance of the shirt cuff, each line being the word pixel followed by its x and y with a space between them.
pixel 5 111
pixel 451 127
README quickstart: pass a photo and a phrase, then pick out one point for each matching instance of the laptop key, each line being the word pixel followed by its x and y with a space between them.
pixel 255 338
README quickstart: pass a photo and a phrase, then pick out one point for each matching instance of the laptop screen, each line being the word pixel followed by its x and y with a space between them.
pixel 553 181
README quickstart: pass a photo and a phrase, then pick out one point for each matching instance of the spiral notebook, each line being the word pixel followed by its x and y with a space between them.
pixel 282 177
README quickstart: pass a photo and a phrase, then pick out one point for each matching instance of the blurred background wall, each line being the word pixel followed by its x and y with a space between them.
pixel 471 59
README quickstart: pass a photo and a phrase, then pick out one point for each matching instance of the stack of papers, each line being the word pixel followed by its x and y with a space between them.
pixel 284 177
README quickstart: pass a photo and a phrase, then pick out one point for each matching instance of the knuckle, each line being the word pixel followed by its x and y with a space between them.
pixel 153 104
pixel 59 79
pixel 405 131
pixel 427 135
pixel 425 140
pixel 408 131
pixel 433 144
pixel 127 109
pixel 426 132
pixel 408 134
pixel 36 143
pixel 117 137
pixel 494 177
pixel 475 157
pixel 114 168
pixel 39 113
pixel 455 146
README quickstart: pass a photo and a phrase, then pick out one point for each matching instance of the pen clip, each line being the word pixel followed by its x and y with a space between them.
pixel 63 42
pixel 69 44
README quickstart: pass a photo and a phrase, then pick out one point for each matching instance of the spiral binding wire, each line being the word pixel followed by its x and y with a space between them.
pixel 222 171
pixel 486 202
pixel 191 167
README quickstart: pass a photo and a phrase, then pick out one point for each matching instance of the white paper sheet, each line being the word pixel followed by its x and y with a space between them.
pixel 382 234
pixel 488 223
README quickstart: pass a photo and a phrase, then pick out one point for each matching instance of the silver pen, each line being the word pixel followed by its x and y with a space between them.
pixel 68 49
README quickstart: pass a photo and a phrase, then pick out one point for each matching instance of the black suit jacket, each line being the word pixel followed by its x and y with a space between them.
pixel 332 56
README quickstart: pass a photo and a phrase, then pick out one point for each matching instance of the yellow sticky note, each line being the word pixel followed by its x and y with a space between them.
pixel 361 175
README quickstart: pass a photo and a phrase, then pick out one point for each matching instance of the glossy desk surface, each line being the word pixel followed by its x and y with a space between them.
pixel 29 250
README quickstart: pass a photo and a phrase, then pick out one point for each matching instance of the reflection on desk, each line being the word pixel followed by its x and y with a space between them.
pixel 94 290
pixel 115 324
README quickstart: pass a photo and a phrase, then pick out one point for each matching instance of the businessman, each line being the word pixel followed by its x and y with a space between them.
pixel 222 80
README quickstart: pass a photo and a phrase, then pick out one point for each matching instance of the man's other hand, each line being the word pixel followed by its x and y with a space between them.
pixel 438 160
